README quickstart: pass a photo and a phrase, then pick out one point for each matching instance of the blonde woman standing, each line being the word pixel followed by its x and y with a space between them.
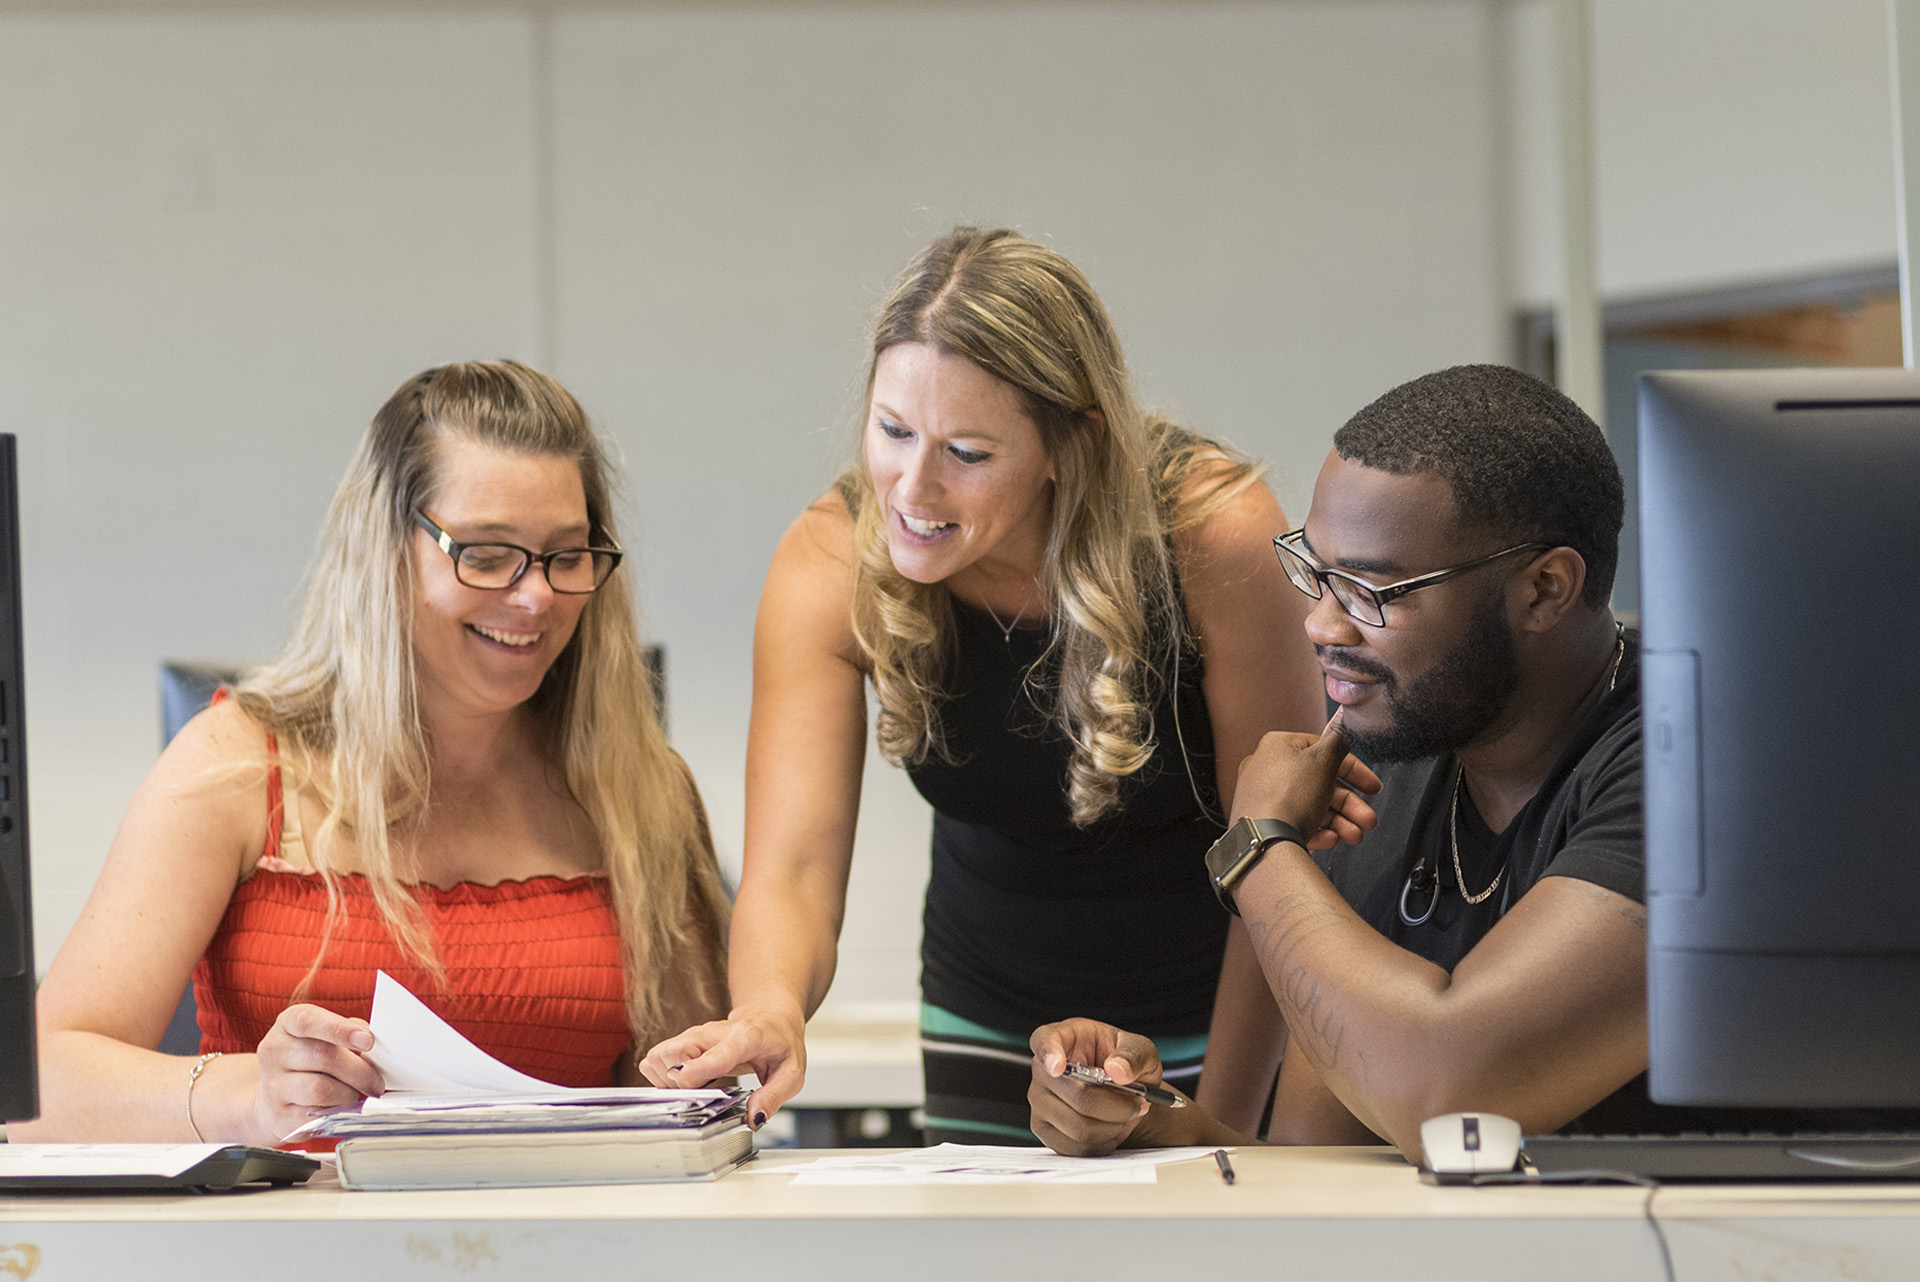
pixel 453 773
pixel 1071 621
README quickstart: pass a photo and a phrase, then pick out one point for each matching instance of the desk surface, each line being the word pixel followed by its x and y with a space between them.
pixel 1307 1213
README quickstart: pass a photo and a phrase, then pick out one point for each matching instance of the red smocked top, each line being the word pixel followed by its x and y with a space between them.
pixel 533 968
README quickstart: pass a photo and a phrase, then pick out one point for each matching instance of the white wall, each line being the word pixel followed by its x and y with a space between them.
pixel 224 239
pixel 1735 141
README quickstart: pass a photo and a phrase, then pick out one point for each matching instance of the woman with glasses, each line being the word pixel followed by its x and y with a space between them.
pixel 1073 629
pixel 453 773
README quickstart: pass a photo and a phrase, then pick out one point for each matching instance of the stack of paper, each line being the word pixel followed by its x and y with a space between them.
pixel 616 1109
pixel 455 1117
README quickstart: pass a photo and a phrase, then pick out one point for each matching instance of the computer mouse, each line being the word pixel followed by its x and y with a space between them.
pixel 1470 1143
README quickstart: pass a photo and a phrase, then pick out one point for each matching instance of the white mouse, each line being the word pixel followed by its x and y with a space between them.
pixel 1470 1143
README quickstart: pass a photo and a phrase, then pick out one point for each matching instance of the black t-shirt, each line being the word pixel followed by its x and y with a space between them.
pixel 1585 822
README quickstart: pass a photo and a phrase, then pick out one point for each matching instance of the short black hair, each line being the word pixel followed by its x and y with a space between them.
pixel 1523 461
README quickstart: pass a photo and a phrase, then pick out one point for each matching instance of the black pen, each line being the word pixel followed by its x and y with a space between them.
pixel 1226 1167
pixel 1098 1076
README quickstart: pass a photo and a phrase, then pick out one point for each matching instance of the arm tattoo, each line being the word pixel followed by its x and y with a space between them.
pixel 1278 936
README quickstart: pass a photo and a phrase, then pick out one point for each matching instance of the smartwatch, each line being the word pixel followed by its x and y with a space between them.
pixel 1234 855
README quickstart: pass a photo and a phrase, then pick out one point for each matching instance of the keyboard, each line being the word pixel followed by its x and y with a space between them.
pixel 87 1168
pixel 1677 1158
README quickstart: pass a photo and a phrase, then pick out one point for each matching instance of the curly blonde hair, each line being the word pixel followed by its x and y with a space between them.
pixel 343 696
pixel 1125 481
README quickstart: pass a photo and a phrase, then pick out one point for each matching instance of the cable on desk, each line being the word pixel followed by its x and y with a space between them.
pixel 1597 1177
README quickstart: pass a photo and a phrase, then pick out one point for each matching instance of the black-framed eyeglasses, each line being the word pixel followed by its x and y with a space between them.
pixel 496 566
pixel 1359 598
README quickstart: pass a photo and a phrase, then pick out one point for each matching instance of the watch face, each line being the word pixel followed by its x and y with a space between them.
pixel 1232 848
pixel 1229 858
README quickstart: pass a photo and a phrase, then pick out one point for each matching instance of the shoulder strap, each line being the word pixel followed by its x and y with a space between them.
pixel 276 803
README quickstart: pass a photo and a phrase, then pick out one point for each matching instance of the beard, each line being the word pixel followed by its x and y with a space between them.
pixel 1447 707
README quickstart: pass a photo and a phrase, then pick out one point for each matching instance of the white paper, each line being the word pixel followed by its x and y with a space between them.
pixel 986 1164
pixel 668 1101
pixel 78 1160
pixel 417 1051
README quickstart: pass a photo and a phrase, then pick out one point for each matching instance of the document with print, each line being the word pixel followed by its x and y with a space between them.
pixel 986 1164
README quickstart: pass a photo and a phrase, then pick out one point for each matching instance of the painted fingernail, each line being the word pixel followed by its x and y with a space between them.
pixel 676 1068
pixel 759 1120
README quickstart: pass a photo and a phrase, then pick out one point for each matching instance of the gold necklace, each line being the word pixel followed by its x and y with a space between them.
pixel 1453 838
pixel 1460 781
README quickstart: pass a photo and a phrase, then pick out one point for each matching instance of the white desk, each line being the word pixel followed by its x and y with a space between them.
pixel 1300 1214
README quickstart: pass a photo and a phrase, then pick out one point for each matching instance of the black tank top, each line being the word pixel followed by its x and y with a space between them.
pixel 1030 919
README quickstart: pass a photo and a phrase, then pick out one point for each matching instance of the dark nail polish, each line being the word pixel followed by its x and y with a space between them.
pixel 676 1068
pixel 759 1120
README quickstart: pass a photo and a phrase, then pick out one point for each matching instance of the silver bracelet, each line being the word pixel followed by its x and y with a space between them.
pixel 199 1067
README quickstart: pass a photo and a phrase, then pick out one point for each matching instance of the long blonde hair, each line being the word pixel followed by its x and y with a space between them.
pixel 343 696
pixel 1124 482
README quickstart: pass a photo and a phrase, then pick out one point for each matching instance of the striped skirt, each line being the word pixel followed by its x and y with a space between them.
pixel 977 1078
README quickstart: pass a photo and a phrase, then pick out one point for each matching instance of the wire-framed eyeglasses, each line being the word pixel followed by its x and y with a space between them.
pixel 1365 601
pixel 496 566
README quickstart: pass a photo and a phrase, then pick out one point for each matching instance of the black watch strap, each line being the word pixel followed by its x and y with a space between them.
pixel 1234 855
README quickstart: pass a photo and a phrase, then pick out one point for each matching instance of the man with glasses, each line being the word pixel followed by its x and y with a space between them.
pixel 1479 941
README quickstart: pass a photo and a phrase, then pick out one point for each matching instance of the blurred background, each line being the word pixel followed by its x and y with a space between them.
pixel 228 231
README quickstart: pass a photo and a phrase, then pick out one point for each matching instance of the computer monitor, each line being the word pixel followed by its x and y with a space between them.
pixel 1780 594
pixel 19 1060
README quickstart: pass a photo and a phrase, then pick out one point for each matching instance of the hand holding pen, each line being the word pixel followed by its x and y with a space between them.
pixel 1096 1087
pixel 1150 1091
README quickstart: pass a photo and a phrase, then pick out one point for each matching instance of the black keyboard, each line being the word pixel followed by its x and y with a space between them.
pixel 91 1168
pixel 1730 1157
